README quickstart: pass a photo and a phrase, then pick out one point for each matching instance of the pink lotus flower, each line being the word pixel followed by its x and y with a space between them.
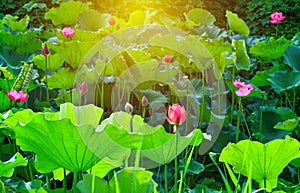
pixel 145 101
pixel 168 59
pixel 68 32
pixel 243 88
pixel 111 21
pixel 83 88
pixel 45 50
pixel 176 114
pixel 276 18
pixel 14 95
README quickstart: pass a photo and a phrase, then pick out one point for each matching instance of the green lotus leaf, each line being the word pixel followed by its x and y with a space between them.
pixel 55 61
pixel 93 20
pixel 267 160
pixel 291 57
pixel 68 139
pixel 24 117
pixel 271 49
pixel 154 142
pixel 288 125
pixel 218 48
pixel 261 77
pixel 73 52
pixel 57 144
pixel 237 24
pixel 22 43
pixel 188 46
pixel 240 56
pixel 198 17
pixel 67 13
pixel 129 180
pixel 64 79
pixel 283 80
pixel 81 115
pixel 13 23
pixel 7 168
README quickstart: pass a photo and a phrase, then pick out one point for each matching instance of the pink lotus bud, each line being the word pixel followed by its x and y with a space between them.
pixel 68 32
pixel 45 50
pixel 145 101
pixel 128 107
pixel 83 88
pixel 118 26
pixel 176 114
pixel 111 21
pixel 168 59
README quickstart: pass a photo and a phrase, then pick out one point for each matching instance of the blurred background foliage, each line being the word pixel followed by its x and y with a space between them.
pixel 255 13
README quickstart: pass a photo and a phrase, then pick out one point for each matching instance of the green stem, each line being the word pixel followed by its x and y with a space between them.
pixel 65 182
pixel 233 95
pixel 46 74
pixel 261 113
pixel 294 99
pixel 102 88
pixel 166 177
pixel 244 118
pixel 48 181
pixel 237 131
pixel 74 183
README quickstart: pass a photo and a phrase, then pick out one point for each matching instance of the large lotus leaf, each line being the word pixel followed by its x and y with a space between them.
pixel 129 180
pixel 24 117
pixel 55 61
pixel 218 49
pixel 187 46
pixel 271 49
pixel 283 80
pixel 154 142
pixel 240 56
pixel 269 120
pixel 261 77
pixel 73 52
pixel 267 160
pixel 237 24
pixel 67 13
pixel 57 144
pixel 198 17
pixel 22 43
pixel 13 23
pixel 291 57
pixel 93 20
pixel 64 79
pixel 7 168
pixel 81 115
